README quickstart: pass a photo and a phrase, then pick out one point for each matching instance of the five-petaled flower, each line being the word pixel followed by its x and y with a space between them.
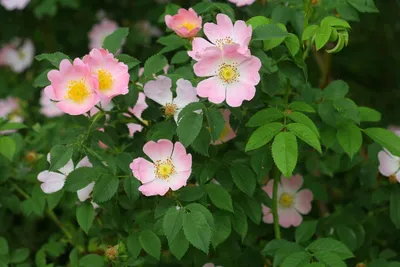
pixel 185 24
pixel 389 164
pixel 291 201
pixel 170 167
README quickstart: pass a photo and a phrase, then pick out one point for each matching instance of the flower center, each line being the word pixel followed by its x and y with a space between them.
pixel 170 109
pixel 21 54
pixel 286 200
pixel 188 25
pixel 105 79
pixel 221 42
pixel 78 91
pixel 228 73
pixel 164 169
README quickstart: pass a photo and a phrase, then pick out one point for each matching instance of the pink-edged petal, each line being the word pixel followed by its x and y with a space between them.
pixel 85 192
pixel 302 202
pixel 237 92
pixel 242 33
pixel 51 181
pixel 211 59
pixel 133 128
pixel 198 46
pixel 159 90
pixel 223 28
pixel 179 180
pixel 388 164
pixel 289 217
pixel 293 184
pixel 249 70
pixel 143 170
pixel 72 108
pixel 269 187
pixel 84 162
pixel 69 167
pixel 181 160
pixel 156 187
pixel 212 88
pixel 267 214
pixel 186 93
pixel 158 151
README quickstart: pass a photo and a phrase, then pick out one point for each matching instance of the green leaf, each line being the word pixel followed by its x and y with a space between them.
pixel 91 260
pixel 265 116
pixel 252 208
pixel 348 109
pixel 315 264
pixel 336 90
pixel 395 207
pixel 367 6
pixel 263 135
pixel 19 255
pixel 154 65
pixel 85 216
pixel 272 43
pixel 347 236
pixel 7 147
pixel 335 22
pixel 12 126
pixel 350 139
pixel 172 40
pixel 223 228
pixel 59 156
pixel 202 142
pixel 180 57
pixel 257 21
pixel 41 80
pixel 322 35
pixel 244 178
pixel 269 32
pixel 330 245
pixel 216 122
pixel 54 58
pixel 191 193
pixel 219 196
pixel 189 128
pixel 131 187
pixel 305 120
pixel 329 259
pixel 298 259
pixel 179 245
pixel 305 134
pixel 3 246
pixel 305 231
pixel 105 188
pixel 203 210
pixel 369 114
pixel 161 130
pixel 293 44
pixel 239 220
pixel 309 32
pixel 190 108
pixel 385 138
pixel 172 223
pixel 131 62
pixel 284 152
pixel 113 42
pixel 196 230
pixel 150 243
pixel 301 106
pixel 79 178
pixel 133 245
pixel 261 162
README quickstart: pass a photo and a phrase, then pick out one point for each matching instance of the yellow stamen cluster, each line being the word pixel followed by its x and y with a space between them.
pixel 188 25
pixel 221 42
pixel 228 73
pixel 105 79
pixel 170 109
pixel 286 200
pixel 78 91
pixel 164 169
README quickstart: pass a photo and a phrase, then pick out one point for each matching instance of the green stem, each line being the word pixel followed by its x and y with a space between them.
pixel 136 119
pixel 277 230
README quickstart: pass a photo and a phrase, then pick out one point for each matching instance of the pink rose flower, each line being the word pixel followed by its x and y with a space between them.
pixel 389 165
pixel 100 31
pixel 73 86
pixel 228 133
pixel 14 4
pixel 160 92
pixel 222 33
pixel 242 2
pixel 10 110
pixel 54 181
pixel 185 24
pixel 170 168
pixel 233 76
pixel 292 202
pixel 85 194
pixel 48 107
pixel 137 110
pixel 18 55
pixel 112 75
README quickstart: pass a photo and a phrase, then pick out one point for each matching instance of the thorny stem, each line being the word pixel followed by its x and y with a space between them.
pixel 277 230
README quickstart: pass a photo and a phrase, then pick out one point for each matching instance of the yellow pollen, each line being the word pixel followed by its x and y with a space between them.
pixel 169 109
pixel 228 73
pixel 78 91
pixel 164 169
pixel 105 79
pixel 188 25
pixel 221 42
pixel 286 200
pixel 21 54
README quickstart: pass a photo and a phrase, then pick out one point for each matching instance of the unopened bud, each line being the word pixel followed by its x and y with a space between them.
pixel 112 252
pixel 31 156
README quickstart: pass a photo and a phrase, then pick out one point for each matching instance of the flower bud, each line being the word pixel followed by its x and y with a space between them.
pixel 112 252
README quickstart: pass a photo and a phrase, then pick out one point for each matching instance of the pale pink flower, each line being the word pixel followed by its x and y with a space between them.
pixel 137 110
pixel 147 29
pixel 228 133
pixel 160 92
pixel 395 129
pixel 48 107
pixel 73 86
pixel 18 55
pixel 240 3
pixel 14 4
pixel 220 34
pixel 170 167
pixel 10 110
pixel 185 24
pixel 3 54
pixel 100 31
pixel 211 265
pixel 233 75
pixel 85 193
pixel 389 165
pixel 54 181
pixel 112 75
pixel 292 202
